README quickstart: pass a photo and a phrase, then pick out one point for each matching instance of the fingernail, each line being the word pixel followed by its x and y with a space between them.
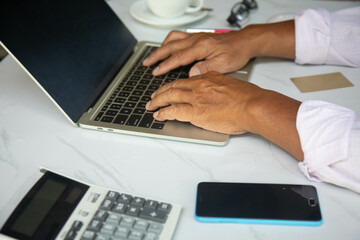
pixel 155 114
pixel 145 61
pixel 148 104
pixel 157 69
pixel 194 72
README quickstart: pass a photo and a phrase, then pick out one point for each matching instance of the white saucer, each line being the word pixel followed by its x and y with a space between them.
pixel 142 13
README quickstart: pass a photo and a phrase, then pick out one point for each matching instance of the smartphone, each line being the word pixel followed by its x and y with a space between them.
pixel 283 204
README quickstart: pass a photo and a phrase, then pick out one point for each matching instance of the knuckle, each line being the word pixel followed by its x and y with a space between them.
pixel 205 40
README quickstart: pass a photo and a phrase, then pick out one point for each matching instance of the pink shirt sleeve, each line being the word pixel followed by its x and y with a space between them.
pixel 330 139
pixel 328 38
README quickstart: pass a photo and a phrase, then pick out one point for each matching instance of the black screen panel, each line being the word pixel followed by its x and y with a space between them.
pixel 73 48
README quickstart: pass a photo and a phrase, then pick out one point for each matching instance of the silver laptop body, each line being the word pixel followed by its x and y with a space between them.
pixel 37 68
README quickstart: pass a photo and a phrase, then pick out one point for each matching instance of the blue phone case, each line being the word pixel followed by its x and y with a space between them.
pixel 258 221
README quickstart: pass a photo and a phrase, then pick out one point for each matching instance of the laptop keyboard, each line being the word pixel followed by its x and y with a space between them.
pixel 126 105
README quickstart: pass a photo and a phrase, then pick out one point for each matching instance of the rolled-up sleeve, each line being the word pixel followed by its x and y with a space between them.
pixel 330 139
pixel 333 38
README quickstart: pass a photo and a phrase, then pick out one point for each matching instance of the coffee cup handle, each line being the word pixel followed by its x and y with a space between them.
pixel 191 8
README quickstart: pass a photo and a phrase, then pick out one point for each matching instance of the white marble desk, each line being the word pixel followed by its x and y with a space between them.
pixel 34 133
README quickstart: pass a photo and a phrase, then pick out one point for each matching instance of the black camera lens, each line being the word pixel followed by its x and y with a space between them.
pixel 312 202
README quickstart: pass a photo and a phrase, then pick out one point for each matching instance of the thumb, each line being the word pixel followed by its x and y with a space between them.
pixel 204 67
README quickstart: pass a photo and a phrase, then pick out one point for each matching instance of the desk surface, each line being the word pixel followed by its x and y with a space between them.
pixel 34 133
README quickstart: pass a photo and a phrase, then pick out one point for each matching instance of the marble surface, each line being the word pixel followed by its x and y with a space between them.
pixel 34 133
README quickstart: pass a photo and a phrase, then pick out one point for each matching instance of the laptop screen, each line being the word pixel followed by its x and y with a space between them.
pixel 73 48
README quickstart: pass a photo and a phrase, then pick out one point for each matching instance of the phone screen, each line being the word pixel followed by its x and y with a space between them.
pixel 258 203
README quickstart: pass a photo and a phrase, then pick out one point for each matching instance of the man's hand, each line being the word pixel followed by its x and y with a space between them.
pixel 223 52
pixel 223 104
pixel 216 52
pixel 211 101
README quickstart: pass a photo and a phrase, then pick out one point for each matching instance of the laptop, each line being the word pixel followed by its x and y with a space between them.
pixel 89 64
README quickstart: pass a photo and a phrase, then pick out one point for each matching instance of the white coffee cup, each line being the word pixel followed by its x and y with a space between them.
pixel 174 8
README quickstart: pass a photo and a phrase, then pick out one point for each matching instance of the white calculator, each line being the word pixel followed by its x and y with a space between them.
pixel 58 207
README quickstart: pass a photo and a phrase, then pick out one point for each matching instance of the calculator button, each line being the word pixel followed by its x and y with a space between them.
pixel 135 235
pixel 106 204
pixel 119 208
pixel 158 216
pixel 151 236
pixel 76 225
pixel 112 195
pixel 164 207
pixel 155 228
pixel 141 225
pixel 125 198
pixel 150 204
pixel 94 225
pixel 70 235
pixel 101 215
pixel 122 232
pixel 88 235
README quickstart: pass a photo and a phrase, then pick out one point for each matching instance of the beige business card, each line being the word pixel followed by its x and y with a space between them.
pixel 321 82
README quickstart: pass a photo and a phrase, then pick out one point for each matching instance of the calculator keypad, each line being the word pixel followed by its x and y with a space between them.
pixel 122 216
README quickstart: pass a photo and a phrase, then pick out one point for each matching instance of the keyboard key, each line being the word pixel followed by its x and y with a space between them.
pixel 141 87
pixel 146 120
pixel 133 120
pixel 107 119
pixel 130 105
pixel 124 94
pixel 126 111
pixel 157 125
pixel 120 100
pixel 98 117
pixel 121 119
pixel 111 113
pixel 115 106
pixel 134 98
pixel 138 93
pixel 141 105
pixel 139 110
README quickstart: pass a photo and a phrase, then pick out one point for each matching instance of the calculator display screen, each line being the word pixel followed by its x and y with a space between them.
pixel 45 209
pixel 39 206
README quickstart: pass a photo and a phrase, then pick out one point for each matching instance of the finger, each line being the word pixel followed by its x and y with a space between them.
pixel 213 64
pixel 171 96
pixel 179 112
pixel 184 83
pixel 181 57
pixel 168 48
pixel 175 35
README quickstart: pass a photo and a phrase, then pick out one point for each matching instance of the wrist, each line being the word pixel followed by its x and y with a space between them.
pixel 272 40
